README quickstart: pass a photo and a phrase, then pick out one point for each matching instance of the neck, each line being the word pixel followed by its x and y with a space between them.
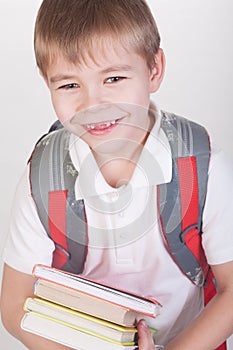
pixel 117 167
pixel 118 170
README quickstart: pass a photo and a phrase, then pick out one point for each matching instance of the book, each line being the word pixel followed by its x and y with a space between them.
pixel 83 322
pixel 88 296
pixel 62 333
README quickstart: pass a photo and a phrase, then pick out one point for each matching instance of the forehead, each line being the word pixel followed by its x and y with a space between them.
pixel 97 51
pixel 100 59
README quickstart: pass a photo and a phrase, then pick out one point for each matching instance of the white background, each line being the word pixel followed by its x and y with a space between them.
pixel 197 40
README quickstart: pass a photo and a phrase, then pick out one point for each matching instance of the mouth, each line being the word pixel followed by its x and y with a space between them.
pixel 102 128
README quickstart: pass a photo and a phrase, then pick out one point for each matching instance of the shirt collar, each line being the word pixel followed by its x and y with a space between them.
pixel 154 166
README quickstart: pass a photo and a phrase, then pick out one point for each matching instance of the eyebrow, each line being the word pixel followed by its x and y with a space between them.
pixel 114 68
pixel 60 77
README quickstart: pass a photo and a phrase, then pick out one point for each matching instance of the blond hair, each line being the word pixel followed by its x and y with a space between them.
pixel 72 27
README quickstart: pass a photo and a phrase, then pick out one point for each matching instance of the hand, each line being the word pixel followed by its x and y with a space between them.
pixel 145 340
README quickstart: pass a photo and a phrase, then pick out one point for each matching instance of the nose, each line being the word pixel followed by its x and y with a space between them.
pixel 93 97
pixel 92 106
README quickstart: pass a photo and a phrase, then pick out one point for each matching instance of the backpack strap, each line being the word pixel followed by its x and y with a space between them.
pixel 52 178
pixel 181 201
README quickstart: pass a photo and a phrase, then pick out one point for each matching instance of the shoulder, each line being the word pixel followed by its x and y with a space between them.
pixel 27 242
pixel 53 139
pixel 185 136
pixel 217 216
pixel 220 160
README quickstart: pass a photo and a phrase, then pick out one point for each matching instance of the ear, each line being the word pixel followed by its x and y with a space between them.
pixel 157 72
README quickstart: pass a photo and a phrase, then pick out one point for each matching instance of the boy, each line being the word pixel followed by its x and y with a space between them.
pixel 101 60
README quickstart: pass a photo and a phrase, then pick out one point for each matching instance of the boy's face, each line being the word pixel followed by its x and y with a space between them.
pixel 105 98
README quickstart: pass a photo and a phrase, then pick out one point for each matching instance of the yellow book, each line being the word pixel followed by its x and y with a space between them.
pixel 88 324
pixel 62 333
pixel 75 329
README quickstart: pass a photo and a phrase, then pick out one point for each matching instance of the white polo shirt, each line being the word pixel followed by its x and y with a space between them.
pixel 125 245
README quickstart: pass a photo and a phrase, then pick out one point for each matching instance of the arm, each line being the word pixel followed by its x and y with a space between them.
pixel 215 323
pixel 213 326
pixel 16 287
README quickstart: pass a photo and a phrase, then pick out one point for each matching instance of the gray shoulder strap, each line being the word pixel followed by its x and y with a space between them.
pixel 52 174
pixel 181 201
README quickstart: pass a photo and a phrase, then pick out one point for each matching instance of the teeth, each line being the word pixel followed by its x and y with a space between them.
pixel 90 126
pixel 105 125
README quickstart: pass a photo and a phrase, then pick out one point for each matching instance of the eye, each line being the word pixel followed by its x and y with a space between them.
pixel 70 86
pixel 112 80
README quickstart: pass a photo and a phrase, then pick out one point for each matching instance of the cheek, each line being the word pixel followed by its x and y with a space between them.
pixel 139 94
pixel 63 110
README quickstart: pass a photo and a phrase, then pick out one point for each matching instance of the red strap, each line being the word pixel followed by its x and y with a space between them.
pixel 188 178
pixel 57 225
pixel 223 346
pixel 188 190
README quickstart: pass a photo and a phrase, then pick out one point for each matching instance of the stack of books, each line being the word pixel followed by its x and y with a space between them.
pixel 83 314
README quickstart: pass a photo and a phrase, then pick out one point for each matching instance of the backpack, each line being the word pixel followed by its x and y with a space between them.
pixel 53 176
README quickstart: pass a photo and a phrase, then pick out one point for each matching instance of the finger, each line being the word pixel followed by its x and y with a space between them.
pixel 145 340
